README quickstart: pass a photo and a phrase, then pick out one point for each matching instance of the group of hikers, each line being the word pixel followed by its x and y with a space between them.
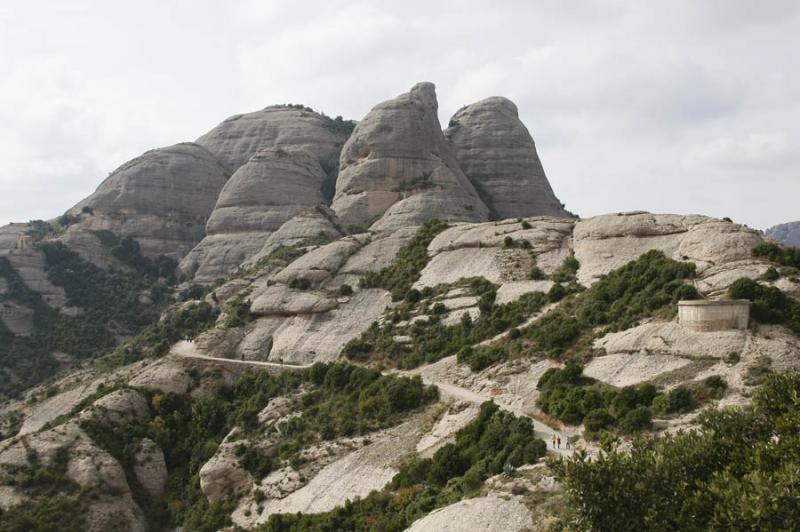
pixel 557 442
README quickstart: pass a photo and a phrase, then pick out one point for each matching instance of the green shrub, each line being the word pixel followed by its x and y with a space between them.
pixel 770 304
pixel 778 254
pixel 567 271
pixel 537 274
pixel 238 313
pixel 737 472
pixel 300 283
pixel 770 275
pixel 411 259
pixel 344 290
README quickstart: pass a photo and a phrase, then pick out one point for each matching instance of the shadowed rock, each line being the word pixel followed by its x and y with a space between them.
pixel 498 155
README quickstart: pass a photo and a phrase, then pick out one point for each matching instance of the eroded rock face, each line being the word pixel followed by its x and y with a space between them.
pixel 607 242
pixel 470 250
pixel 150 468
pixel 266 192
pixel 239 137
pixel 787 234
pixel 498 155
pixel 162 198
pixel 283 161
pixel 397 166
pixel 222 478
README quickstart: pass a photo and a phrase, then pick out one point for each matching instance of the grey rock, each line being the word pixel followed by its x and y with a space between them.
pixel 312 224
pixel 787 234
pixel 498 155
pixel 239 137
pixel 274 186
pixel 150 468
pixel 162 198
pixel 397 166
pixel 17 318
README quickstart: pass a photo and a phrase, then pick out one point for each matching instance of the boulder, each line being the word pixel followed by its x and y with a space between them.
pixel 489 514
pixel 162 198
pixel 397 167
pixel 222 478
pixel 150 468
pixel 498 155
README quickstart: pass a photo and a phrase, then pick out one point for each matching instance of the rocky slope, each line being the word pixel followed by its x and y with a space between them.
pixel 311 277
pixel 787 234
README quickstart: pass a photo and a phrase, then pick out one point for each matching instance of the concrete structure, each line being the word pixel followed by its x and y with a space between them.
pixel 705 316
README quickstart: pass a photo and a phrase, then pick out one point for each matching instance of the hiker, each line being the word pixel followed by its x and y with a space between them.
pixel 558 439
pixel 554 441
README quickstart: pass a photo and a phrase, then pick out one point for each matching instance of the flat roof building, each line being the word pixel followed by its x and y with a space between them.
pixel 705 316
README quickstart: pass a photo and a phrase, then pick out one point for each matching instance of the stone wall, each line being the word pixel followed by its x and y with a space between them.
pixel 704 316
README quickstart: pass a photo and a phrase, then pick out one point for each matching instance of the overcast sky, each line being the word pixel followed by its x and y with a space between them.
pixel 679 106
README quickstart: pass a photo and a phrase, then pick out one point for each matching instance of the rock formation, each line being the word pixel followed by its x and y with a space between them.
pixel 498 155
pixel 238 138
pixel 162 198
pixel 272 187
pixel 787 234
pixel 396 169
pixel 283 161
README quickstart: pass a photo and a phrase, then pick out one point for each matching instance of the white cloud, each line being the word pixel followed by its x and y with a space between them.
pixel 681 106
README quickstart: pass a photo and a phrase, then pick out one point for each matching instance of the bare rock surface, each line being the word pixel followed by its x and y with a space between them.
pixel 321 263
pixel 30 265
pixel 321 337
pixel 671 338
pixel 276 184
pixel 17 318
pixel 354 475
pixel 310 224
pixel 150 468
pixel 280 300
pixel 239 137
pixel 626 369
pixel 397 166
pixel 222 478
pixel 606 242
pixel 490 514
pixel 162 198
pixel 787 234
pixel 482 249
pixel 498 155
pixel 513 290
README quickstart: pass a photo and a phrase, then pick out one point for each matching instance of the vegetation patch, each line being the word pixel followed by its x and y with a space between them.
pixel 576 399
pixel 430 339
pixel 334 400
pixel 737 472
pixel 409 263
pixel 648 286
pixel 770 304
pixel 493 443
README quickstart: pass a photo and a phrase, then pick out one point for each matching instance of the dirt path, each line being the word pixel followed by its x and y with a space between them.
pixel 187 349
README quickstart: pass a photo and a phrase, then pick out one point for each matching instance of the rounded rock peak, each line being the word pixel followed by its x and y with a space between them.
pixel 494 103
pixel 425 91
